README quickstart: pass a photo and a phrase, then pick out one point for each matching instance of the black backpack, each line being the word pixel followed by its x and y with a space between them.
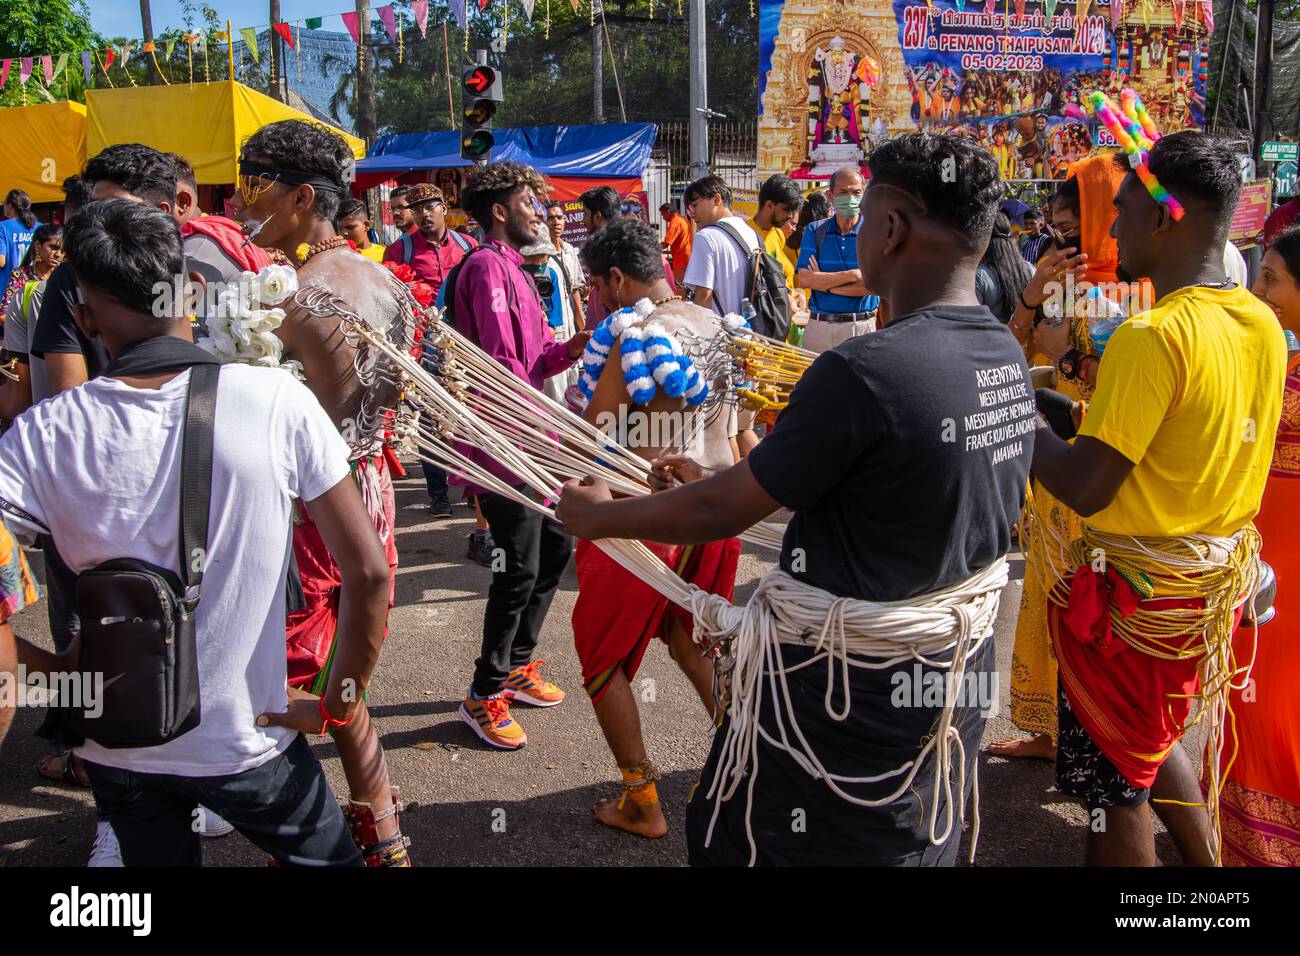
pixel 767 289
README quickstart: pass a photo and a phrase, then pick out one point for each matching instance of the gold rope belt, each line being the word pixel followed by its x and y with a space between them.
pixel 1223 572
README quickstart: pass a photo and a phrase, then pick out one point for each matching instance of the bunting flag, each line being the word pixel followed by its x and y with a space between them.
pixel 286 32
pixel 250 40
pixel 421 10
pixel 1116 13
pixel 574 4
pixel 47 68
pixel 126 53
pixel 168 46
pixel 4 70
pixel 482 4
pixel 24 70
pixel 313 23
pixel 529 4
pixel 85 66
pixel 1020 8
pixel 990 7
pixel 390 20
pixel 457 8
pixel 1049 9
pixel 60 65
pixel 350 21
pixel 1180 10
pixel 1207 14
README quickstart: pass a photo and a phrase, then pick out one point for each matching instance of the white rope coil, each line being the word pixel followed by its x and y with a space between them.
pixel 945 629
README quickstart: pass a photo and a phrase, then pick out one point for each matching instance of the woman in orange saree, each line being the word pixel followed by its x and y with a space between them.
pixel 1260 803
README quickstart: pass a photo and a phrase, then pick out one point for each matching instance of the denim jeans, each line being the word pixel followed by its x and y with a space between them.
pixel 284 806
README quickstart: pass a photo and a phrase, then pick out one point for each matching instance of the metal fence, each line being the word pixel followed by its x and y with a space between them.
pixel 733 155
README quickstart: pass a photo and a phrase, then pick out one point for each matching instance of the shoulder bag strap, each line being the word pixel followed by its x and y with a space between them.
pixel 196 477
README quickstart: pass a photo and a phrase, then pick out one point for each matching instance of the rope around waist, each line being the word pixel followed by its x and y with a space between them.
pixel 943 629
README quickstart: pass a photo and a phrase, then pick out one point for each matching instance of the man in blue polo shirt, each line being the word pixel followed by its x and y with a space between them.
pixel 840 306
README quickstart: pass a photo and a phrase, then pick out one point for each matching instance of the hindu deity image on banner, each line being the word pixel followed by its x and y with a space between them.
pixel 838 77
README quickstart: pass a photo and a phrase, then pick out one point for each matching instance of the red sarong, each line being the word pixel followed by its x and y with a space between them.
pixel 1134 706
pixel 617 614
pixel 310 632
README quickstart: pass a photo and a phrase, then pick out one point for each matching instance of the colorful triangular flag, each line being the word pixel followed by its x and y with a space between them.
pixel 1049 9
pixel 313 23
pixel 1180 10
pixel 85 66
pixel 1207 14
pixel 390 20
pixel 350 21
pixel 1116 12
pixel 421 10
pixel 1020 8
pixel 24 69
pixel 127 48
pixel 457 8
pixel 250 40
pixel 168 46
pixel 286 32
pixel 47 68
pixel 990 7
pixel 529 4
pixel 482 4
pixel 4 71
pixel 60 63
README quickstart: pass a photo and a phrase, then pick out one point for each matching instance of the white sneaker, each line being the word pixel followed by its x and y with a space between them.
pixel 212 825
pixel 105 851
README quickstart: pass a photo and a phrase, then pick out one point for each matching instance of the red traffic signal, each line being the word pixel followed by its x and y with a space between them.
pixel 479 80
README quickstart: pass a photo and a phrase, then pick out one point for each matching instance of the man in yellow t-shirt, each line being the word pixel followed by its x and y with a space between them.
pixel 1176 442
pixel 779 200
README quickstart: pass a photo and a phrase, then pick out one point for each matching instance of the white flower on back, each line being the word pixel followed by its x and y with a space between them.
pixel 275 284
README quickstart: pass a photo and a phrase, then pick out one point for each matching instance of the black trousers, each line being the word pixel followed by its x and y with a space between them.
pixel 532 553
pixel 285 807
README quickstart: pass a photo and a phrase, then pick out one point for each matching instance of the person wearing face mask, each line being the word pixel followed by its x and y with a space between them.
pixel 840 306
pixel 779 200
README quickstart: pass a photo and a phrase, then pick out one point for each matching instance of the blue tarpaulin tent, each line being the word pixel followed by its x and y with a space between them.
pixel 613 151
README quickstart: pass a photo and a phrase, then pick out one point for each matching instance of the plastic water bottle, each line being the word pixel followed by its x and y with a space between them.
pixel 748 312
pixel 1104 317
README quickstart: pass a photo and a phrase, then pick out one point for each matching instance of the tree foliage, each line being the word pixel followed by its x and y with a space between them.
pixel 38 27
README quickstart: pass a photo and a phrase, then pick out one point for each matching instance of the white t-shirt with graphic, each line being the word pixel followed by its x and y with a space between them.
pixel 99 466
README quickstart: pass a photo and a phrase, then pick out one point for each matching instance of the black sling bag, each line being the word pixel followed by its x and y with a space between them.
pixel 138 620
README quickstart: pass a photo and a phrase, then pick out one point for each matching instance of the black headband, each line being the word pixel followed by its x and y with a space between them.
pixel 290 177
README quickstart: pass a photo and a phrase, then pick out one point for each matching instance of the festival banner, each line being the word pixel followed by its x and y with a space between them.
pixel 1252 211
pixel 838 77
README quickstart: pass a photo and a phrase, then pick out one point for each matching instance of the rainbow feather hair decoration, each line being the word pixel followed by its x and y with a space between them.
pixel 1136 133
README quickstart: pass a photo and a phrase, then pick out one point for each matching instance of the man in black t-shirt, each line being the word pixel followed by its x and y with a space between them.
pixel 904 456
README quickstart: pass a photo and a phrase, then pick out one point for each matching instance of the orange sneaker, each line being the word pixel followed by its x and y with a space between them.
pixel 491 720
pixel 526 685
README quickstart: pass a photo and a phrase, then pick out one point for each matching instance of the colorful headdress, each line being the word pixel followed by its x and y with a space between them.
pixel 1135 131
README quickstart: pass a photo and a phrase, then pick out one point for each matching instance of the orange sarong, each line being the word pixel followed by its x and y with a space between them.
pixel 1260 806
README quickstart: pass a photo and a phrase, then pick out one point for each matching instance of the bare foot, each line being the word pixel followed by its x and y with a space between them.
pixel 647 821
pixel 1039 747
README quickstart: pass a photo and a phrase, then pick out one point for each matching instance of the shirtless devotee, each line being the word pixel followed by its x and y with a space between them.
pixel 901 492
pixel 293 175
pixel 617 616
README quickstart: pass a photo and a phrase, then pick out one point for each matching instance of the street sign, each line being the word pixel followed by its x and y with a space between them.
pixel 1284 179
pixel 1279 152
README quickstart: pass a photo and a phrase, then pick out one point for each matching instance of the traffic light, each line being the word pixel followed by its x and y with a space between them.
pixel 480 94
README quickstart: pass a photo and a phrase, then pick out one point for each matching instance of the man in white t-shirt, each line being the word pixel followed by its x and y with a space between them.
pixel 112 448
pixel 719 271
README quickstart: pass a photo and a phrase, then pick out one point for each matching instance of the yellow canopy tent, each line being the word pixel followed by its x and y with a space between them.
pixel 204 122
pixel 40 146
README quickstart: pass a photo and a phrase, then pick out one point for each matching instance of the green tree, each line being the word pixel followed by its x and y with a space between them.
pixel 39 27
pixel 548 80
